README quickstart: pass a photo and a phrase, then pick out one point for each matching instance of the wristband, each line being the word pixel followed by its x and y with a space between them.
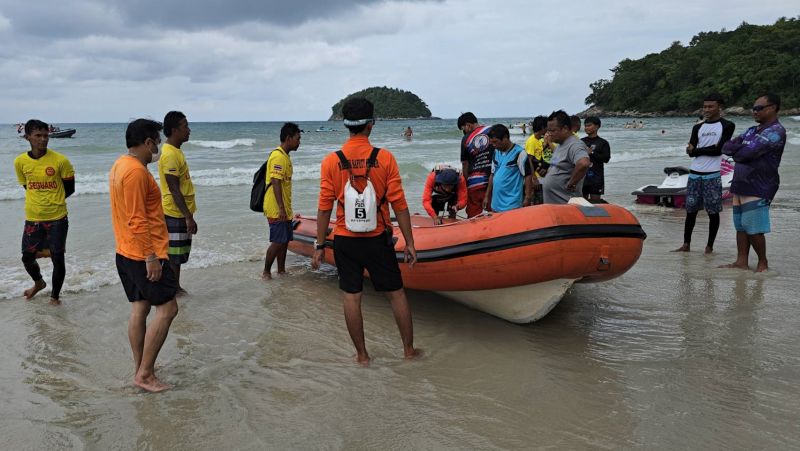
pixel 318 246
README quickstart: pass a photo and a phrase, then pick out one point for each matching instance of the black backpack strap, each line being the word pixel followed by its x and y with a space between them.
pixel 269 185
pixel 372 161
pixel 345 162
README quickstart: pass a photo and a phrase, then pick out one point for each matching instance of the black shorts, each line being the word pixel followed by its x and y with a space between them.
pixel 374 254
pixel 593 189
pixel 42 235
pixel 133 275
pixel 441 203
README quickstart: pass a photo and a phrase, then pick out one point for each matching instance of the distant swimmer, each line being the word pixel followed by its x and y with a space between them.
pixel 278 199
pixel 48 180
pixel 408 133
pixel 177 192
pixel 142 243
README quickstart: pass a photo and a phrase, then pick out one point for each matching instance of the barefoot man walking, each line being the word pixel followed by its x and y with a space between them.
pixel 141 236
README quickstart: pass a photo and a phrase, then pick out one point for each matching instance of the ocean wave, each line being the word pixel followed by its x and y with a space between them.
pixel 240 142
pixel 647 154
pixel 97 183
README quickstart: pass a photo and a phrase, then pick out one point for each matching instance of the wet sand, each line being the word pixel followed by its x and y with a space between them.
pixel 675 354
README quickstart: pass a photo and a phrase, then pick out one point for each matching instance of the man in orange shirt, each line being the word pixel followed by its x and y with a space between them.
pixel 142 240
pixel 372 250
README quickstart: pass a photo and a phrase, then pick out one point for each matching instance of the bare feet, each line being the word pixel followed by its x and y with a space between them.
pixel 281 273
pixel 151 384
pixel 266 276
pixel 709 250
pixel 762 266
pixel 415 353
pixel 55 301
pixel 684 248
pixel 181 292
pixel 735 265
pixel 37 287
pixel 362 360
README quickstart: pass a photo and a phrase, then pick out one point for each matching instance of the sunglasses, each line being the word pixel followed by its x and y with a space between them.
pixel 757 108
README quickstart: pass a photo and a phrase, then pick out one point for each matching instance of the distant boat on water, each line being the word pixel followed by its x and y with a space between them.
pixel 325 129
pixel 55 132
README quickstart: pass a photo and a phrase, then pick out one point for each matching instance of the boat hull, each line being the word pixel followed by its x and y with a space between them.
pixel 63 133
pixel 515 265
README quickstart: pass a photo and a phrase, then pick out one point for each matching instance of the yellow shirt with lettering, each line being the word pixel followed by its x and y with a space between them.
pixel 279 166
pixel 173 162
pixel 43 178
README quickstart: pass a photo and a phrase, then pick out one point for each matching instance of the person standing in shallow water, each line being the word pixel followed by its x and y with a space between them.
pixel 278 199
pixel 177 192
pixel 704 188
pixel 757 153
pixel 372 250
pixel 141 237
pixel 48 180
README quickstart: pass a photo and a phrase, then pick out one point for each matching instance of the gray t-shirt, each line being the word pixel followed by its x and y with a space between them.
pixel 561 166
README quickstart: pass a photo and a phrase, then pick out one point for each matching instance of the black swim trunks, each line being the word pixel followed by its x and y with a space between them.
pixel 43 235
pixel 374 254
pixel 133 275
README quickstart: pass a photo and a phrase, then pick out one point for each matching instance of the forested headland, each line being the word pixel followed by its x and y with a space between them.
pixel 390 103
pixel 740 64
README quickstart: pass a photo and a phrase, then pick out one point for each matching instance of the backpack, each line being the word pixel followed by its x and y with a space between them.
pixel 360 208
pixel 260 187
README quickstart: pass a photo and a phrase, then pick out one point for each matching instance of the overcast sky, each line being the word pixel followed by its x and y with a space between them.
pixel 113 60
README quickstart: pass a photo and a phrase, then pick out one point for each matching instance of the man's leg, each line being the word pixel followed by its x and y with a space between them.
pixel 742 251
pixel 176 268
pixel 759 243
pixel 402 315
pixel 29 260
pixel 136 329
pixel 272 253
pixel 688 228
pixel 154 338
pixel 355 325
pixel 713 228
pixel 59 273
pixel 282 258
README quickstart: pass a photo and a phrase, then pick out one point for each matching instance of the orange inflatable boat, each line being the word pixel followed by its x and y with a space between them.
pixel 515 265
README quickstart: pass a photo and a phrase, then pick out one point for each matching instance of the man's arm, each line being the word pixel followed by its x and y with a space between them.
pixel 174 185
pixel 427 195
pixel 69 186
pixel 528 191
pixel 763 143
pixel 602 153
pixel 404 222
pixel 464 169
pixel 277 190
pixel 581 166
pixel 136 187
pixel 323 220
pixel 488 194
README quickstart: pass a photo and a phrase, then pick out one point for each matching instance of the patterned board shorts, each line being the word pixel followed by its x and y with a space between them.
pixel 180 241
pixel 41 235
pixel 704 192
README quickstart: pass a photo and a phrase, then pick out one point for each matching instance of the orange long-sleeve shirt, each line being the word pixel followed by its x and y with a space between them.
pixel 427 194
pixel 136 212
pixel 385 178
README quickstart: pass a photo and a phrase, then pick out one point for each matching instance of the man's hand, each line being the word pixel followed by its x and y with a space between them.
pixel 437 220
pixel 485 202
pixel 571 187
pixel 191 226
pixel 282 215
pixel 153 270
pixel 689 149
pixel 410 255
pixel 318 258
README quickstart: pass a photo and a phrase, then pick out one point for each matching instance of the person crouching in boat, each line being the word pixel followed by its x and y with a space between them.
pixel 445 189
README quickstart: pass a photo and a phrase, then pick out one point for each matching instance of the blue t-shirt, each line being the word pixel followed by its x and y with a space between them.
pixel 509 169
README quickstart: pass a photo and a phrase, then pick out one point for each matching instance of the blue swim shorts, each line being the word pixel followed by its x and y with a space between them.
pixel 280 232
pixel 704 192
pixel 752 217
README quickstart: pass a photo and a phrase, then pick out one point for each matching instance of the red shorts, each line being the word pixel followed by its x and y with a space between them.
pixel 475 201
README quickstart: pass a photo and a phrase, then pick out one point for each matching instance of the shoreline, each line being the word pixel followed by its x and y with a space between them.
pixel 731 111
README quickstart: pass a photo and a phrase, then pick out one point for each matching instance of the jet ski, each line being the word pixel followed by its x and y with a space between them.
pixel 672 191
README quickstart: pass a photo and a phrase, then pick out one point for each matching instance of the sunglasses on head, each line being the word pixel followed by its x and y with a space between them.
pixel 757 108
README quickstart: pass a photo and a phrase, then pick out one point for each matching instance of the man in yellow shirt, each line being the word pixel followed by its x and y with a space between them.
pixel 48 179
pixel 177 192
pixel 278 199
pixel 534 147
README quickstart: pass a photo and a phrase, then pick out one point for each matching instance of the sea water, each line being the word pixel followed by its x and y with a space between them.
pixel 674 354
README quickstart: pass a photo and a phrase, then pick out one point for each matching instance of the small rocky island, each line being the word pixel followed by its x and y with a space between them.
pixel 390 104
